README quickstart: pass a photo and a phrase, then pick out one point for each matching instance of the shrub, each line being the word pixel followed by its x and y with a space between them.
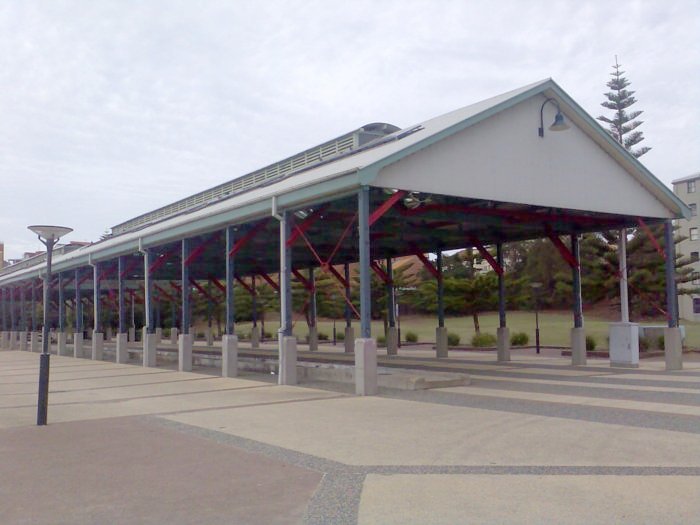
pixel 661 342
pixel 340 335
pixel 200 335
pixel 381 340
pixel 267 335
pixel 483 340
pixel 322 336
pixel 590 343
pixel 452 339
pixel 411 337
pixel 644 343
pixel 519 339
pixel 242 335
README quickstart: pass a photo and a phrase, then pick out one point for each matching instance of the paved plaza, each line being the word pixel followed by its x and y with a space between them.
pixel 531 441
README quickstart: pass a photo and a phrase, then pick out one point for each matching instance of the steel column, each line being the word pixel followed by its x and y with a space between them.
pixel 61 304
pixel 22 309
pixel 365 261
pixel 148 291
pixel 34 301
pixel 671 303
pixel 78 304
pixel 622 253
pixel 254 301
pixel 576 274
pixel 3 304
pixel 186 287
pixel 501 288
pixel 230 270
pixel 96 306
pixel 348 297
pixel 312 297
pixel 285 276
pixel 13 320
pixel 440 291
pixel 121 267
pixel 390 299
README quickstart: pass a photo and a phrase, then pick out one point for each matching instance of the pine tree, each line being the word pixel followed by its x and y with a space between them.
pixel 623 126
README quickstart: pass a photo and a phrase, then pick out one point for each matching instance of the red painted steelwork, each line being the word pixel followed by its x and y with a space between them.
pixel 386 206
pixel 428 265
pixel 221 286
pixel 164 292
pixel 303 280
pixel 250 289
pixel 199 250
pixel 248 236
pixel 650 235
pixel 269 280
pixel 380 272
pixel 563 250
pixel 132 264
pixel 486 255
pixel 162 259
pixel 308 222
pixel 202 290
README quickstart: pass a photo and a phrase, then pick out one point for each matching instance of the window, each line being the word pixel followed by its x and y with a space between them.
pixel 696 305
pixel 694 256
pixel 693 209
pixel 691 186
pixel 693 234
pixel 696 277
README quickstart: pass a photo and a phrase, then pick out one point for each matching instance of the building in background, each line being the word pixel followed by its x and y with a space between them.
pixel 688 190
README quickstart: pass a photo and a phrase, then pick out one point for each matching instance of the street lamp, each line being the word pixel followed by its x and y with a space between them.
pixel 49 236
pixel 559 123
pixel 535 290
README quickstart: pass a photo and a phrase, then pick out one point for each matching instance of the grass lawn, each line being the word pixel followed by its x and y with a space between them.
pixel 554 327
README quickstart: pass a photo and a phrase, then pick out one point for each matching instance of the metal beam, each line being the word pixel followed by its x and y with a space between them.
pixel 386 206
pixel 185 282
pixel 121 274
pixel 96 312
pixel 570 258
pixel 229 290
pixel 576 273
pixel 285 288
pixel 348 297
pixel 440 291
pixel 365 259
pixel 78 303
pixel 501 288
pixel 148 265
pixel 650 236
pixel 671 298
pixel 497 267
pixel 248 236
pixel 390 299
pixel 61 303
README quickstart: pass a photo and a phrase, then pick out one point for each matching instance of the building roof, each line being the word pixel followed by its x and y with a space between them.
pixel 694 176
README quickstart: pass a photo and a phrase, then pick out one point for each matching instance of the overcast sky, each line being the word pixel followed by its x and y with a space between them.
pixel 112 109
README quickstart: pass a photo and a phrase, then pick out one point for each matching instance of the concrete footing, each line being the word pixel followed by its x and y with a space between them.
pixel 624 345
pixel 61 343
pixel 229 356
pixel 14 342
pixel 184 352
pixel 173 336
pixel 366 367
pixel 132 335
pixel 441 341
pixel 255 337
pixel 673 348
pixel 392 340
pixel 109 334
pixel 149 349
pixel 578 346
pixel 349 339
pixel 98 345
pixel 288 360
pixel 78 344
pixel 34 342
pixel 209 336
pixel 159 334
pixel 503 344
pixel 313 338
pixel 122 353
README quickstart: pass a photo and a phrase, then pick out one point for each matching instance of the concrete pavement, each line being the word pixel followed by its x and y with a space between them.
pixel 528 442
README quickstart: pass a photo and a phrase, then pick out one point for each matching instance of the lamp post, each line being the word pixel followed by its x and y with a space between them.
pixel 49 236
pixel 535 290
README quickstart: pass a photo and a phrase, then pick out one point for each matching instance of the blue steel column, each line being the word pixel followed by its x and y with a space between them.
pixel 3 301
pixel 97 307
pixel 254 302
pixel 576 273
pixel 501 288
pixel 390 300
pixel 22 309
pixel 671 301
pixel 148 290
pixel 365 290
pixel 348 296
pixel 121 266
pixel 61 304
pixel 285 275
pixel 312 297
pixel 440 291
pixel 78 304
pixel 230 305
pixel 34 322
pixel 13 320
pixel 185 276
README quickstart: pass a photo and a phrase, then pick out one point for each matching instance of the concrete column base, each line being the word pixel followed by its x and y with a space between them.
pixel 503 345
pixel 255 337
pixel 61 344
pixel 98 345
pixel 624 345
pixel 14 342
pixel 132 335
pixel 392 340
pixel 673 348
pixel 287 360
pixel 122 356
pixel 159 335
pixel 349 339
pixel 34 342
pixel 4 341
pixel 229 356
pixel 366 367
pixel 313 338
pixel 441 342
pixel 109 334
pixel 23 341
pixel 209 336
pixel 578 346
pixel 149 349
pixel 78 344
pixel 184 352
pixel 173 336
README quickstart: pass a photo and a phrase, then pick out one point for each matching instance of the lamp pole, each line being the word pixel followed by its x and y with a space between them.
pixel 49 236
pixel 535 291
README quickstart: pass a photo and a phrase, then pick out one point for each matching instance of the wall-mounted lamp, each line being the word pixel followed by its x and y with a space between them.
pixel 559 123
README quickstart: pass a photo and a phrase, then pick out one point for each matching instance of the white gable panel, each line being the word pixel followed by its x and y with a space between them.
pixel 504 159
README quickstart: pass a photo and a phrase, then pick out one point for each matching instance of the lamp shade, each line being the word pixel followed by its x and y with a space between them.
pixel 50 233
pixel 559 123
